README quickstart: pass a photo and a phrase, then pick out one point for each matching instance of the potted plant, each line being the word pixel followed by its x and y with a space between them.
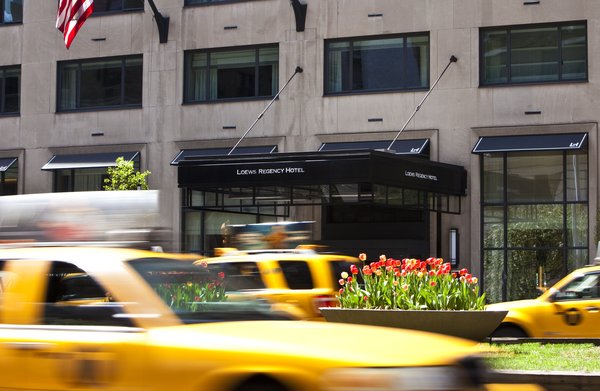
pixel 410 293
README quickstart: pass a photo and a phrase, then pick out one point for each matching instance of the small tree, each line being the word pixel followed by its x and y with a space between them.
pixel 124 177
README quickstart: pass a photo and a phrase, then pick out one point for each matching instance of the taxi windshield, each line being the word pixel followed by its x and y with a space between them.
pixel 199 293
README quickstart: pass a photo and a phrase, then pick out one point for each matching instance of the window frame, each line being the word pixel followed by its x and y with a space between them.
pixel 3 70
pixel 187 71
pixel 72 175
pixel 352 40
pixel 504 203
pixel 509 29
pixel 189 3
pixel 80 62
pixel 98 13
pixel 13 22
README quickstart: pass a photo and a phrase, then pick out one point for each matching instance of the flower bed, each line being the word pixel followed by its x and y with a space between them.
pixel 409 284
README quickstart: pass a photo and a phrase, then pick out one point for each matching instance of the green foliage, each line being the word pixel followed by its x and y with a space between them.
pixel 124 177
pixel 543 357
pixel 409 284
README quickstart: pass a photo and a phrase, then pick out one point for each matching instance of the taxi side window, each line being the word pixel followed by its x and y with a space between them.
pixel 584 287
pixel 74 298
pixel 240 275
pixel 297 274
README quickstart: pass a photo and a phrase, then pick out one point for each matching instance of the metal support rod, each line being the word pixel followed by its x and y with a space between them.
pixel 452 59
pixel 162 22
pixel 296 71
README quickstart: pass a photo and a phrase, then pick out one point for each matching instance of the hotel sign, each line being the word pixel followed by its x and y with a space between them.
pixel 302 169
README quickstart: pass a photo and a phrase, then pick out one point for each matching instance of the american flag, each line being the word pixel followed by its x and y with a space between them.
pixel 71 16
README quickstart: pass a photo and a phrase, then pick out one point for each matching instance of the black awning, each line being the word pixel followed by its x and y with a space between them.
pixel 533 142
pixel 192 153
pixel 401 147
pixel 323 168
pixel 6 163
pixel 91 160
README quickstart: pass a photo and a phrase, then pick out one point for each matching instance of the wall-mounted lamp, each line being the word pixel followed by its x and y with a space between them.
pixel 300 7
pixel 453 241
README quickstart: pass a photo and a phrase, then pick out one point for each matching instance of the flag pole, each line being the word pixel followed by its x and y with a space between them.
pixel 452 59
pixel 162 22
pixel 296 71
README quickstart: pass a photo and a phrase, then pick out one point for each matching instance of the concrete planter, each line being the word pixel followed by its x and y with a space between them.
pixel 474 325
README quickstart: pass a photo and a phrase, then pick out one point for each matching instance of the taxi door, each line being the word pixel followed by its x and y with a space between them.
pixel 574 310
pixel 60 351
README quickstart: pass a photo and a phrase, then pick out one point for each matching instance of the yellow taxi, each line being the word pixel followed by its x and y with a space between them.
pixel 570 309
pixel 301 278
pixel 78 318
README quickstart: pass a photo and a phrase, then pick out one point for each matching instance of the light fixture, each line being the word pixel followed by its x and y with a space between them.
pixel 300 7
pixel 453 242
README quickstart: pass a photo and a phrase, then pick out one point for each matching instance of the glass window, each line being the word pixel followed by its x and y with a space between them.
pixel 240 275
pixel 193 2
pixel 584 287
pixel 100 83
pixel 535 178
pixel 534 54
pixel 9 180
pixel 536 228
pixel 12 11
pixel 394 63
pixel 10 89
pixel 297 274
pixel 231 74
pixel 108 6
pixel 84 179
pixel 75 298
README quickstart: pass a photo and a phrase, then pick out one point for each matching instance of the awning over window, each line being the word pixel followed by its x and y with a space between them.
pixel 91 160
pixel 6 163
pixel 537 142
pixel 312 178
pixel 191 153
pixel 400 147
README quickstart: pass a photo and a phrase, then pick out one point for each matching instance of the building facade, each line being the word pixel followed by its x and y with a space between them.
pixel 496 169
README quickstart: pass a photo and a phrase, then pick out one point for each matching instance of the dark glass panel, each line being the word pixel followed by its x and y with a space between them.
pixel 574 52
pixel 534 54
pixel 12 82
pixel 101 83
pixel 133 81
pixel 535 177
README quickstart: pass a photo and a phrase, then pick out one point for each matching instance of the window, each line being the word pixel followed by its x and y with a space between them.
pixel 297 274
pixel 534 220
pixel 213 75
pixel 75 298
pixel 8 176
pixel 110 6
pixel 240 275
pixel 195 2
pixel 12 11
pixel 377 64
pixel 581 288
pixel 534 54
pixel 85 179
pixel 100 83
pixel 10 85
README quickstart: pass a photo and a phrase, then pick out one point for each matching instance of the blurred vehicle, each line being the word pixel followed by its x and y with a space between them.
pixel 300 277
pixel 570 308
pixel 76 318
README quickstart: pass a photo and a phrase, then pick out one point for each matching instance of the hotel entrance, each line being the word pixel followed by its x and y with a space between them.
pixel 359 200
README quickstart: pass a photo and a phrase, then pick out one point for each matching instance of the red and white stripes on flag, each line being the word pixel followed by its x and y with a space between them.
pixel 71 16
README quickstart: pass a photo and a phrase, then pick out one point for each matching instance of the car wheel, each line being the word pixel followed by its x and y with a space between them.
pixel 509 331
pixel 261 383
